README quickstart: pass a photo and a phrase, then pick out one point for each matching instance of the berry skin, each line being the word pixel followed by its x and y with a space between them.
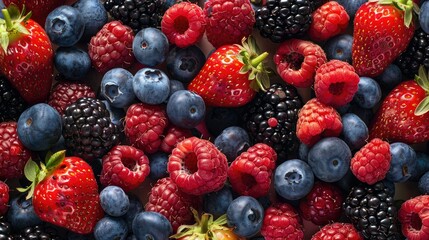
pixel 21 213
pixel 250 173
pixel 297 61
pixel 4 198
pixel 414 217
pixel 150 47
pixel 337 230
pixel 281 221
pixel 117 87
pixel 109 228
pixel 423 184
pixel 293 179
pixel 111 47
pixel 424 16
pixel 317 120
pixel 173 136
pixel 323 204
pixel 197 166
pixel 355 132
pixel 184 24
pixel 372 162
pixel 94 16
pixel 186 109
pixel 336 83
pixel 145 125
pixel 114 201
pixel 158 165
pixel 351 6
pixel 11 102
pixel 245 214
pixel 64 94
pixel 185 63
pixel 328 20
pixel 72 62
pixel 124 166
pixel 339 47
pixel 232 141
pixel 403 162
pixel 217 203
pixel 390 77
pixel 151 86
pixel 368 94
pixel 151 225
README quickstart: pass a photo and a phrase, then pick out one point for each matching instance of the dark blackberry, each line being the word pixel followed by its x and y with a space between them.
pixel 88 130
pixel 279 20
pixel 11 102
pixel 372 211
pixel 416 54
pixel 5 230
pixel 38 232
pixel 137 14
pixel 271 119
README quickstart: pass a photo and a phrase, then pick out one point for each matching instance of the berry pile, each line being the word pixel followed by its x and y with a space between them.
pixel 216 119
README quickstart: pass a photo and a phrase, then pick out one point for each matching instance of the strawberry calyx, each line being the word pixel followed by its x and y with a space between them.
pixel 204 227
pixel 408 6
pixel 253 64
pixel 36 174
pixel 11 27
pixel 423 81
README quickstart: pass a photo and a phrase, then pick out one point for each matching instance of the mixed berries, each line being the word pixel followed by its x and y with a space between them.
pixel 221 119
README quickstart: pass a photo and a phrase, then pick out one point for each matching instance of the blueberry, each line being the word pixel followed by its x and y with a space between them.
pixel 218 118
pixel 330 159
pixel 293 179
pixel 423 185
pixel 245 214
pixel 232 142
pixel 114 201
pixel 134 208
pixel 184 64
pixel 64 26
pixel 174 87
pixel 117 87
pixel 355 132
pixel 151 225
pixel 347 182
pixel 185 109
pixel 72 62
pixel 217 202
pixel 21 213
pixel 363 113
pixel 150 46
pixel 403 162
pixel 94 16
pixel 422 166
pixel 117 115
pixel 339 47
pixel 390 77
pixel 109 228
pixel 158 165
pixel 39 127
pixel 390 186
pixel 368 93
pixel 303 152
pixel 424 16
pixel 151 86
pixel 351 6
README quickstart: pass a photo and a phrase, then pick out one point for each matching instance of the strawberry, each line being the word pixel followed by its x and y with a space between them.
pixel 40 8
pixel 383 30
pixel 65 192
pixel 26 55
pixel 403 114
pixel 231 75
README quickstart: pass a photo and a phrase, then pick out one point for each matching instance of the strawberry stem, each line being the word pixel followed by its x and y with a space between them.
pixel 257 60
pixel 7 19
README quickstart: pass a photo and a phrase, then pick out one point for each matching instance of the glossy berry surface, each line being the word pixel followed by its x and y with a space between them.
pixel 151 225
pixel 117 87
pixel 184 63
pixel 150 47
pixel 339 47
pixel 151 86
pixel 72 62
pixel 368 94
pixel 246 215
pixel 110 228
pixel 114 201
pixel 232 141
pixel 186 109
pixel 94 16
pixel 293 179
pixel 355 132
pixel 21 213
pixel 64 26
pixel 403 162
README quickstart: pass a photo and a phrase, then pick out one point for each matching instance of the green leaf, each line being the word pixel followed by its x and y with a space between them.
pixel 55 159
pixel 23 190
pixel 423 107
pixel 48 156
pixel 408 17
pixel 244 69
pixel 4 41
pixel 31 169
pixel 422 79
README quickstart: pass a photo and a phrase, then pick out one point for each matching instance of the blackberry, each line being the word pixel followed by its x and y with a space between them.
pixel 88 130
pixel 11 102
pixel 372 211
pixel 279 20
pixel 5 230
pixel 38 232
pixel 137 14
pixel 416 54
pixel 271 119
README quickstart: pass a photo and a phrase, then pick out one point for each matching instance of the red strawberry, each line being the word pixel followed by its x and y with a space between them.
pixel 40 9
pixel 65 192
pixel 382 32
pixel 26 55
pixel 231 75
pixel 403 114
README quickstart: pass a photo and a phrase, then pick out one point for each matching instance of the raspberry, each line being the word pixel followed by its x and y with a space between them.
pixel 281 221
pixel 372 162
pixel 329 20
pixel 145 125
pixel 184 24
pixel 166 199
pixel 112 47
pixel 414 217
pixel 228 22
pixel 173 136
pixel 323 204
pixel 250 173
pixel 297 61
pixel 336 83
pixel 197 166
pixel 124 166
pixel 13 154
pixel 336 230
pixel 4 198
pixel 317 120
pixel 64 94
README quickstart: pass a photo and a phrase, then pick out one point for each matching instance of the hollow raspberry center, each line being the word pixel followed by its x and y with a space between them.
pixel 190 163
pixel 181 24
pixel 336 88
pixel 129 163
pixel 248 180
pixel 294 59
pixel 415 221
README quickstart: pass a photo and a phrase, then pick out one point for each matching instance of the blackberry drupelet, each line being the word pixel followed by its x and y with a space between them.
pixel 137 14
pixel 11 102
pixel 5 230
pixel 416 54
pixel 39 232
pixel 279 20
pixel 271 119
pixel 88 130
pixel 372 211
